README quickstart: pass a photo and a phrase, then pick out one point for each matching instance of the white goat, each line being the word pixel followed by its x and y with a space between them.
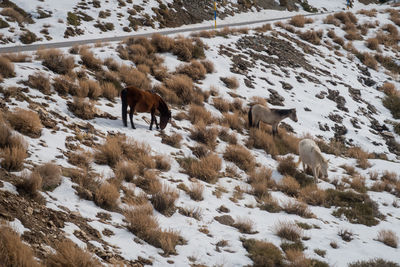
pixel 311 155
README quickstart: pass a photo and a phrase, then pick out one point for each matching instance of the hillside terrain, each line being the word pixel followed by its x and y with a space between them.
pixel 79 188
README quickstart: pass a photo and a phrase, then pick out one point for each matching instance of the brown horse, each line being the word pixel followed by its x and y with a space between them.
pixel 272 117
pixel 144 101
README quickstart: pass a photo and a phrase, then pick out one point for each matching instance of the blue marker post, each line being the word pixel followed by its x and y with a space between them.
pixel 215 14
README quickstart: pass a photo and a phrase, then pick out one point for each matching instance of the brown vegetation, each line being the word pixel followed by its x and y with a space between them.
pixel 388 237
pixel 69 254
pixel 26 122
pixel 230 82
pixel 56 61
pixel 164 200
pixel 6 67
pixel 240 156
pixel 51 175
pixel 82 108
pixel 206 168
pixel 107 196
pixel 194 70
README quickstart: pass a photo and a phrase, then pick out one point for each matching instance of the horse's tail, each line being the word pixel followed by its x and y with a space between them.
pixel 124 102
pixel 250 115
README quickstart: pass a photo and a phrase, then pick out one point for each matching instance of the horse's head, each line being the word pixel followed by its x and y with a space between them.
pixel 293 115
pixel 164 119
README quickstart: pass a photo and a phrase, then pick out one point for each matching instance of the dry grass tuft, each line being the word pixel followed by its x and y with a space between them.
pixel 208 65
pixel 372 43
pixel 107 196
pixel 230 82
pixel 26 122
pixel 109 91
pixel 368 60
pixel 69 254
pixel 39 81
pixel 204 135
pixel 298 21
pixel 194 70
pixel 389 89
pixel 126 170
pixel 263 253
pixel 164 200
pixel 6 67
pixel 289 231
pixel 311 36
pixel 221 104
pixel 51 175
pixel 206 168
pixel 289 185
pixel 298 208
pixel 234 121
pixel 287 166
pixel 19 57
pixel 240 156
pixel 244 225
pixel 31 183
pixel 109 153
pixel 162 43
pixel 89 88
pixel 260 181
pixel 13 252
pixel 13 158
pixel 196 191
pixel 89 60
pixel 133 77
pixel 64 85
pixel 312 195
pixel 80 158
pixel 173 140
pixel 182 86
pixel 388 237
pixel 82 108
pixel 199 113
pixel 163 162
pixel 56 61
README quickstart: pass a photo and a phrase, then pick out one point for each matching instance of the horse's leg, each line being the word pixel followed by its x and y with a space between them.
pixel 152 120
pixel 130 117
pixel 155 118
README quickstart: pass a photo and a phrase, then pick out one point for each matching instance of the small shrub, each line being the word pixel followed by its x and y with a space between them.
pixel 208 65
pixel 269 204
pixel 392 103
pixel 164 200
pixel 64 85
pixel 372 43
pixel 289 231
pixel 388 237
pixel 389 89
pixel 377 262
pixel 28 37
pixel 89 60
pixel 13 158
pixel 298 208
pixel 263 253
pixel 40 82
pixel 199 113
pixel 80 158
pixel 107 196
pixel 206 168
pixel 289 185
pixel 234 121
pixel 221 104
pixel 260 181
pixel 287 166
pixel 312 195
pixel 26 122
pixel 346 235
pixel 162 43
pixel 69 254
pixel 194 70
pixel 182 86
pixel 163 162
pixel 311 36
pixel 93 89
pixel 109 91
pixel 204 135
pixel 244 225
pixel 56 61
pixel 240 156
pixel 82 108
pixel 51 175
pixel 126 170
pixel 14 252
pixel 196 191
pixel 6 67
pixel 230 82
pixel 298 21
pixel 173 140
pixel 108 153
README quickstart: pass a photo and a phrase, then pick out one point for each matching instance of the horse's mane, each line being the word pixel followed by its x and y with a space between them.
pixel 162 106
pixel 283 111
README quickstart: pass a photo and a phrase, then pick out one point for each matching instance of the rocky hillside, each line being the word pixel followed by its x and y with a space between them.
pixel 78 187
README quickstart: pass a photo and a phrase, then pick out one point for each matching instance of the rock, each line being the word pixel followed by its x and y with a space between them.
pixel 286 86
pixel 225 219
pixel 275 98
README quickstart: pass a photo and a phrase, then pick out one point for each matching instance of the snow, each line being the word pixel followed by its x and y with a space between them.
pixel 201 246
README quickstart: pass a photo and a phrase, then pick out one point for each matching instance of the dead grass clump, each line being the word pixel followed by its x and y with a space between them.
pixel 206 168
pixel 107 196
pixel 80 158
pixel 92 87
pixel 19 57
pixel 6 67
pixel 204 135
pixel 260 181
pixel 89 60
pixel 109 91
pixel 244 225
pixel 56 61
pixel 240 156
pixel 64 84
pixel 264 28
pixel 109 153
pixel 39 81
pixel 126 170
pixel 133 77
pixel 142 223
pixel 225 136
pixel 353 34
pixel 82 108
pixel 13 158
pixel 164 200
pixel 196 191
pixel 388 237
pixel 221 104
pixel 298 208
pixel 208 65
pixel 298 259
pixel 199 113
pixel 51 175
pixel 368 60
pixel 346 17
pixel 139 152
pixel 368 12
pixel 358 184
pixel 182 86
pixel 330 19
pixel 173 140
pixel 230 82
pixel 289 185
pixel 148 181
pixel 262 140
pixel 234 121
pixel 13 252
pixel 289 231
pixel 287 166
pixel 360 155
pixel 298 21
pixel 263 253
pixel 311 36
pixel 183 49
pixel 163 163
pixel 389 89
pixel 372 43
pixel 69 254
pixel 162 43
pixel 312 195
pixel 26 122
pixel 194 70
